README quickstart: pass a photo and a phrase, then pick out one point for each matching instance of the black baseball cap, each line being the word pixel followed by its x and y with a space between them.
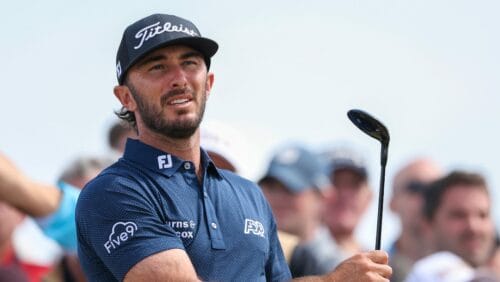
pixel 155 31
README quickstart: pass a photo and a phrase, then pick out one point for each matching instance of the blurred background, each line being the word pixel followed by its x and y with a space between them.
pixel 285 71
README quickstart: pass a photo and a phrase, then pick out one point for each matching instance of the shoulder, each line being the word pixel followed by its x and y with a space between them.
pixel 238 181
pixel 241 185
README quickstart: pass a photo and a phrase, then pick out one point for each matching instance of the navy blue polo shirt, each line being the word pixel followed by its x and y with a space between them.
pixel 150 201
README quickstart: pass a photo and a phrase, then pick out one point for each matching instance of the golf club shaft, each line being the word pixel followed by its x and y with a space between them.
pixel 380 207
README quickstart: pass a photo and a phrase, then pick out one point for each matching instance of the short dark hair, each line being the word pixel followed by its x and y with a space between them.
pixel 435 191
pixel 116 132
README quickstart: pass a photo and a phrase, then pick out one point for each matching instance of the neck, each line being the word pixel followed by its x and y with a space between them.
pixel 187 149
pixel 347 242
pixel 308 233
pixel 409 244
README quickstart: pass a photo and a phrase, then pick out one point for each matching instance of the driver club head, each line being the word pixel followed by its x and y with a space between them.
pixel 369 125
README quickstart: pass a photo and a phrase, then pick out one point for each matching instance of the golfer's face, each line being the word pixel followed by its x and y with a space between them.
pixel 170 87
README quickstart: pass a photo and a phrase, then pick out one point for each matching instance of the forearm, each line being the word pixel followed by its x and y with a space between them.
pixel 31 197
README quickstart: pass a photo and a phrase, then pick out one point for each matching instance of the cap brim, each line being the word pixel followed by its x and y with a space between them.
pixel 289 179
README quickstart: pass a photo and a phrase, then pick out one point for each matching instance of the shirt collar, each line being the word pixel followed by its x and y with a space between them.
pixel 163 162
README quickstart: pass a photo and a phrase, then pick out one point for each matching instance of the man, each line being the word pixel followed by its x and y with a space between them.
pixel 165 212
pixel 457 211
pixel 53 206
pixel 294 185
pixel 406 202
pixel 118 134
pixel 345 208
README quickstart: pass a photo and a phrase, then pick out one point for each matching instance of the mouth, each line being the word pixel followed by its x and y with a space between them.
pixel 179 100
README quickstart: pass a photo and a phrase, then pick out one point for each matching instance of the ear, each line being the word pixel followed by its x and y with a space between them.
pixel 123 94
pixel 209 83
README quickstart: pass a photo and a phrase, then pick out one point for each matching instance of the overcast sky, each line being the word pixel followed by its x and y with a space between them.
pixel 285 70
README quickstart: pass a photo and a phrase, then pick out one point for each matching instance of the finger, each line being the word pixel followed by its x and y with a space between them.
pixel 380 257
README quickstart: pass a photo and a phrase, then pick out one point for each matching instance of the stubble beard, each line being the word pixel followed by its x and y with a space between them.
pixel 154 119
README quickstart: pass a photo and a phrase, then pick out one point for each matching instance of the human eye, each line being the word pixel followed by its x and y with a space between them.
pixel 157 67
pixel 190 62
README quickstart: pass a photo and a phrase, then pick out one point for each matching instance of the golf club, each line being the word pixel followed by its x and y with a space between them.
pixel 371 126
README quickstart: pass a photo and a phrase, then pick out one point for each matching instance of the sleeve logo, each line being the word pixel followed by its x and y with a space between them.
pixel 254 227
pixel 120 233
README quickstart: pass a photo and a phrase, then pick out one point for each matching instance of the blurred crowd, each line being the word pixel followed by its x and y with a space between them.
pixel 318 198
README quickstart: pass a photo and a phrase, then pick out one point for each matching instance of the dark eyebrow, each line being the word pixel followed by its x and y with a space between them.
pixel 159 57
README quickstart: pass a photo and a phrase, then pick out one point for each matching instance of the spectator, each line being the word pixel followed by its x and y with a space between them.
pixel 52 206
pixel 457 213
pixel 294 185
pixel 345 208
pixel 118 134
pixel 406 202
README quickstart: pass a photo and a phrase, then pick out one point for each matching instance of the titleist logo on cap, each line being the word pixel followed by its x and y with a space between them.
pixel 153 30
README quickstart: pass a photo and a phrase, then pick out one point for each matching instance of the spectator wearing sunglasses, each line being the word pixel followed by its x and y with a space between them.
pixel 406 202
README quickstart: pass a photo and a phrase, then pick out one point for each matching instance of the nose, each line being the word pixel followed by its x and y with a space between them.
pixel 178 78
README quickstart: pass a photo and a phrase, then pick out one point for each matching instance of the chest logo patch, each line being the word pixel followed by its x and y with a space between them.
pixel 120 233
pixel 254 227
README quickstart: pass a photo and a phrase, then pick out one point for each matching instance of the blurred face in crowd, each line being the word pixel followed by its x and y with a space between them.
pixel 463 224
pixel 344 208
pixel 407 192
pixel 167 90
pixel 291 210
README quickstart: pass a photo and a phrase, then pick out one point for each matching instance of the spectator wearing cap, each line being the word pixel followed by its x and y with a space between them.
pixel 406 202
pixel 294 185
pixel 345 208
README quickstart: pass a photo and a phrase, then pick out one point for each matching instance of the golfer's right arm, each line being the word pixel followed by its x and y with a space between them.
pixel 170 265
pixel 174 265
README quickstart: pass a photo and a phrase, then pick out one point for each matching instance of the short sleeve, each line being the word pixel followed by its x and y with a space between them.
pixel 120 221
pixel 60 225
pixel 276 266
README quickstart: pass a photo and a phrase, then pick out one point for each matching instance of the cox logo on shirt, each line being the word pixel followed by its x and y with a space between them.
pixel 184 229
pixel 120 233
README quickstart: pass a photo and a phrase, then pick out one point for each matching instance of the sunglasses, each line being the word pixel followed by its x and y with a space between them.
pixel 416 187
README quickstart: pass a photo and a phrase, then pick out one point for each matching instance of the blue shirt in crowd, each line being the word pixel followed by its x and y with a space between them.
pixel 150 201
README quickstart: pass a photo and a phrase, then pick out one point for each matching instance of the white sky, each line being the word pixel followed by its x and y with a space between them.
pixel 285 70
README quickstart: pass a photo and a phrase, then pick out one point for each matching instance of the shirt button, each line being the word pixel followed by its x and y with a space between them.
pixel 214 226
pixel 205 194
pixel 187 165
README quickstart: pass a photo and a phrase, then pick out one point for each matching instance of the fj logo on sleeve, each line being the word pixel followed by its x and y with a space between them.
pixel 164 161
pixel 120 233
pixel 254 227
